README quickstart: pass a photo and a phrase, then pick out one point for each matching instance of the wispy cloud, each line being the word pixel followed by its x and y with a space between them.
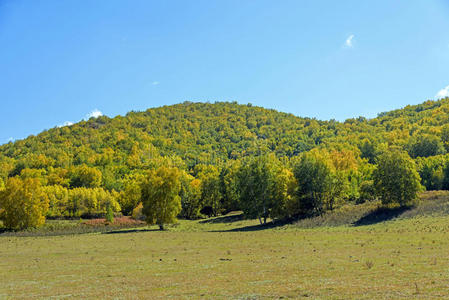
pixel 443 93
pixel 94 114
pixel 349 43
pixel 155 83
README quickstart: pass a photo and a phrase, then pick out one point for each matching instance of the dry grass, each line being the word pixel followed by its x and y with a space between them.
pixel 231 258
pixel 387 260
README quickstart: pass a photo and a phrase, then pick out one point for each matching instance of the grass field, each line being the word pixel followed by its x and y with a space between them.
pixel 403 257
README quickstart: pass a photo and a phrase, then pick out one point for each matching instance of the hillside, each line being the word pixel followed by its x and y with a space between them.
pixel 95 165
pixel 210 133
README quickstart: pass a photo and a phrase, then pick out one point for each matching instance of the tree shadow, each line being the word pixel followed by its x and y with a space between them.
pixel 381 214
pixel 4 230
pixel 129 231
pixel 270 225
pixel 224 219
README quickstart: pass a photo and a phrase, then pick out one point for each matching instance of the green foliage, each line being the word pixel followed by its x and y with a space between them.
pixel 431 171
pixel 131 195
pixel 396 180
pixel 58 197
pixel 425 146
pixel 190 194
pixel 315 180
pixel 229 188
pixel 263 188
pixel 210 187
pixel 84 176
pixel 209 143
pixel 91 202
pixel 160 196
pixel 23 203
pixel 109 214
pixel 137 212
pixel 367 191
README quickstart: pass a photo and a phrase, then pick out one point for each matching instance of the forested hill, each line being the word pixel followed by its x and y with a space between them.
pixel 204 133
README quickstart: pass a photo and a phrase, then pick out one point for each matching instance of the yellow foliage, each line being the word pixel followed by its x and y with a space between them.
pixel 24 203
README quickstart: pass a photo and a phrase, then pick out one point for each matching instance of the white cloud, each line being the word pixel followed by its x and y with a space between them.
pixel 349 41
pixel 66 123
pixel 155 82
pixel 443 93
pixel 94 114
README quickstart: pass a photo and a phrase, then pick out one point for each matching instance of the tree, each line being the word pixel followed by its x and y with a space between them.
pixel 24 203
pixel 425 146
pixel 229 185
pixel 109 214
pixel 368 151
pixel 283 193
pixel 263 188
pixel 396 180
pixel 432 171
pixel 131 195
pixel 314 183
pixel 210 187
pixel 190 196
pixel 84 176
pixel 58 197
pixel 160 196
pixel 322 181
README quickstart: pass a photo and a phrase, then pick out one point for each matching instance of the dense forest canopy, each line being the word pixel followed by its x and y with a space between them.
pixel 102 158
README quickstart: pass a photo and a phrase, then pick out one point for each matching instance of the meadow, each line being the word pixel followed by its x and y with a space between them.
pixel 401 255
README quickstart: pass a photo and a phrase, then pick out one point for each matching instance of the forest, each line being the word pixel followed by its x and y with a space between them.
pixel 193 160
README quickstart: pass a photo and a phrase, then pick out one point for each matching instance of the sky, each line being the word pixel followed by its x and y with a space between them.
pixel 64 61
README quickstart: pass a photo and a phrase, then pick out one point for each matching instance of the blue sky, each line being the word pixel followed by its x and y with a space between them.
pixel 63 60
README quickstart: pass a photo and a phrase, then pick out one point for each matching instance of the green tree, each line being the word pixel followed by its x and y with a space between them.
pixel 263 188
pixel 229 185
pixel 425 146
pixel 24 203
pixel 320 185
pixel 445 136
pixel 84 176
pixel 396 179
pixel 210 187
pixel 109 214
pixel 160 196
pixel 190 196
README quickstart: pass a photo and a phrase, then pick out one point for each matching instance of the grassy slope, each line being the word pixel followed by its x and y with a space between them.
pixel 405 257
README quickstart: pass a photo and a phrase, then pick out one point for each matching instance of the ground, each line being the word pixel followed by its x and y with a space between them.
pixel 231 258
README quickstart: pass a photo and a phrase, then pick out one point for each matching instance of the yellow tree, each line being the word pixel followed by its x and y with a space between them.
pixel 24 203
pixel 160 196
pixel 131 195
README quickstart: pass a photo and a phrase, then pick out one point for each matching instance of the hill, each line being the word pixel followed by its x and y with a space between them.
pixel 102 155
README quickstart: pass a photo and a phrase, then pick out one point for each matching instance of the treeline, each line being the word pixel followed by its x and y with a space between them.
pixel 262 186
pixel 229 157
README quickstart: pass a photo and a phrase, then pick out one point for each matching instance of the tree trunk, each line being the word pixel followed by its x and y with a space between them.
pixel 260 220
pixel 161 226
